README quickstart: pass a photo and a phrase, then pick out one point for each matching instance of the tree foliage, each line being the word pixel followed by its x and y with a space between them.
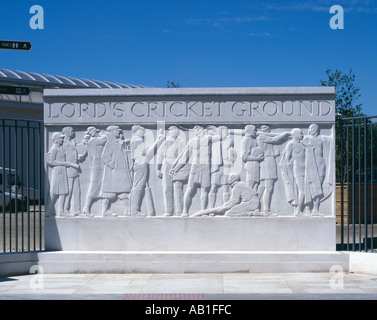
pixel 347 93
pixel 172 84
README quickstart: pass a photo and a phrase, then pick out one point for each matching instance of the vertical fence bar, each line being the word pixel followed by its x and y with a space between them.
pixel 353 185
pixel 40 183
pixel 359 182
pixel 365 186
pixel 16 185
pixel 28 182
pixel 34 174
pixel 341 185
pixel 3 184
pixel 372 183
pixel 22 189
pixel 348 188
pixel 10 190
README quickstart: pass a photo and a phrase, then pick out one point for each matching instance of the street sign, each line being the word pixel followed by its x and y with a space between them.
pixel 19 91
pixel 15 45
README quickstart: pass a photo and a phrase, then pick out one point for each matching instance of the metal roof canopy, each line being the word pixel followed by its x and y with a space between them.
pixel 46 80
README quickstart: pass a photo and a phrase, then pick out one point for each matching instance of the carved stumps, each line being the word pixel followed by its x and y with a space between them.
pixel 246 155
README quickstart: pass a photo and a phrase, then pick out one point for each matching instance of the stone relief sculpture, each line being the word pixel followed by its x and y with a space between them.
pixel 95 144
pixel 73 202
pixel 244 201
pixel 252 156
pixel 118 169
pixel 223 156
pixel 116 181
pixel 141 155
pixel 198 154
pixel 318 174
pixel 304 170
pixel 56 159
pixel 293 164
pixel 268 167
pixel 167 153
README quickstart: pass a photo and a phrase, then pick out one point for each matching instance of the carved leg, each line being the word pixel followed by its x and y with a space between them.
pixel 204 198
pixel 226 193
pixel 269 188
pixel 168 196
pixel 187 201
pixel 135 201
pixel 67 202
pixel 178 197
pixel 88 205
pixel 212 195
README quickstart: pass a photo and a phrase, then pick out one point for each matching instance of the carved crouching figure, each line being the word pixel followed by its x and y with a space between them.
pixel 243 201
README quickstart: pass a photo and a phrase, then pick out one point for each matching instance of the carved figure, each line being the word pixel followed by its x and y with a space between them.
pixel 141 155
pixel 268 167
pixel 56 158
pixel 198 154
pixel 316 169
pixel 167 153
pixel 293 164
pixel 304 170
pixel 252 155
pixel 73 200
pixel 116 181
pixel 95 144
pixel 244 201
pixel 223 156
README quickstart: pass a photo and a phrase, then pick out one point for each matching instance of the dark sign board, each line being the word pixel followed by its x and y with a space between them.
pixel 21 91
pixel 15 45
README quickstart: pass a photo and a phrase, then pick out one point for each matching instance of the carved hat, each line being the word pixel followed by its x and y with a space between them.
pixel 112 128
pixel 91 129
pixel 57 135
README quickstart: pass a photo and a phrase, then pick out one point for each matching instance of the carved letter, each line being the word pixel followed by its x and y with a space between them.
pixel 139 115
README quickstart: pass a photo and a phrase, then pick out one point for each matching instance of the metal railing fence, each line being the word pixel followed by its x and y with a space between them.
pixel 357 178
pixel 21 190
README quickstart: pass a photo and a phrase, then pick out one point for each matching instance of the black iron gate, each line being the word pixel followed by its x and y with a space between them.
pixel 21 189
pixel 356 183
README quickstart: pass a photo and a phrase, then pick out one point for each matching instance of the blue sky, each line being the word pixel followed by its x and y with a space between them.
pixel 197 43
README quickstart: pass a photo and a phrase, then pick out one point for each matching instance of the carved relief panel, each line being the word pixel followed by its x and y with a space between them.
pixel 212 167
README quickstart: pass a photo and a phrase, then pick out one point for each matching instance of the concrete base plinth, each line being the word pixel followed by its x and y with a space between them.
pixel 190 262
pixel 191 234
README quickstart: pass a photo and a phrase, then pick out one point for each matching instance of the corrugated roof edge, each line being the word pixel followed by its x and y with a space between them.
pixel 46 80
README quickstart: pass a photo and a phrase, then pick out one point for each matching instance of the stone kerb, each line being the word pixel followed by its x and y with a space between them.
pixel 153 169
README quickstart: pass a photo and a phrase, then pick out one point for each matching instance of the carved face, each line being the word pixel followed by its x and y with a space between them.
pixel 140 132
pixel 59 141
pixel 68 132
pixel 117 133
pixel 313 129
pixel 297 134
pixel 199 130
pixel 173 131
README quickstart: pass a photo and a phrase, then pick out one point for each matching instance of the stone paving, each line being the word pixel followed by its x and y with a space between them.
pixel 189 286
